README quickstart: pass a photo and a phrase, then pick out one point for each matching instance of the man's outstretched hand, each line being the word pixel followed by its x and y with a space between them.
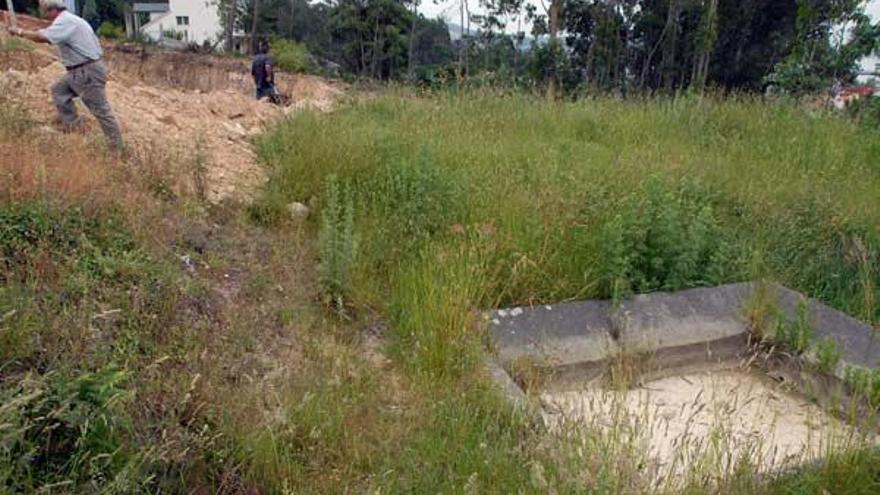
pixel 31 35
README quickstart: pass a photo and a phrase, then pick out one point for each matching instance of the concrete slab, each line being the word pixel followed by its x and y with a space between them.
pixel 677 330
pixel 658 321
pixel 510 389
pixel 560 334
pixel 858 341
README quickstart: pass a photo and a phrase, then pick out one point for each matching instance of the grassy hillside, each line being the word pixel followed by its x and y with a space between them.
pixel 151 342
pixel 435 207
pixel 543 203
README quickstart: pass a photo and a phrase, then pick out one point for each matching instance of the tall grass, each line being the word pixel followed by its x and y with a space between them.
pixel 568 200
pixel 466 202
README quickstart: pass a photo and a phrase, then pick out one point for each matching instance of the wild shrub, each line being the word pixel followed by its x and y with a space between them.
pixel 111 31
pixel 664 239
pixel 761 309
pixel 60 266
pixel 421 198
pixel 98 246
pixel 828 354
pixel 337 240
pixel 866 111
pixel 797 335
pixel 290 56
pixel 864 382
pixel 63 429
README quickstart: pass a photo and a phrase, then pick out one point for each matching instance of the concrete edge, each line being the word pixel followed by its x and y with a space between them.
pixel 512 392
pixel 576 341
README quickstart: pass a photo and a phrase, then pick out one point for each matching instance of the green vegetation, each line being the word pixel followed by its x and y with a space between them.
pixel 79 299
pixel 482 200
pixel 574 200
pixel 290 56
pixel 797 335
pixel 152 343
pixel 865 382
pixel 866 111
pixel 110 30
pixel 828 354
pixel 338 245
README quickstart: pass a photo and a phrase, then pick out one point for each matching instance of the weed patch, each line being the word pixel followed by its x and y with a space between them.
pixel 665 241
pixel 471 201
pixel 66 431
pixel 338 242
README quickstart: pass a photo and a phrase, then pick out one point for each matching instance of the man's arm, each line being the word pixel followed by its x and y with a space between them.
pixel 31 35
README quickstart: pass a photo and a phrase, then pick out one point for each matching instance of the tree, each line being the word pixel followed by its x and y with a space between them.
pixel 372 36
pixel 831 36
pixel 705 44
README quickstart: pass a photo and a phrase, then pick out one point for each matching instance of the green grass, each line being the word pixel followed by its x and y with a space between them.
pixel 475 201
pixel 552 202
pixel 80 300
pixel 151 343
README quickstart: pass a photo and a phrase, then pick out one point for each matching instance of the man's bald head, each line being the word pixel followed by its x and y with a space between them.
pixel 53 7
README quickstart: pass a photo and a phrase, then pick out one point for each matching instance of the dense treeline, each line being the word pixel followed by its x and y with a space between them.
pixel 624 45
pixel 620 45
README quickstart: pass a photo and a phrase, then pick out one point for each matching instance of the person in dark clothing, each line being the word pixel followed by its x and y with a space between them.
pixel 264 74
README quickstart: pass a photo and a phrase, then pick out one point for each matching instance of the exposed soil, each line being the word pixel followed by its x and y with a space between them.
pixel 726 415
pixel 199 108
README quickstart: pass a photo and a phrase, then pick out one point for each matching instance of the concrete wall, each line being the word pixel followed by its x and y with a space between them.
pixel 696 326
pixel 204 21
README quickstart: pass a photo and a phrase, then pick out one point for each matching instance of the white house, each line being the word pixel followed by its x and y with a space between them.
pixel 190 21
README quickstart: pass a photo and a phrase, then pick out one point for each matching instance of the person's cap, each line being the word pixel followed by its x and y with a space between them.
pixel 53 4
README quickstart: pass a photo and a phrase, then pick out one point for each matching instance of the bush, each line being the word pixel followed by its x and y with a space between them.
pixel 109 30
pixel 337 241
pixel 421 198
pixel 864 382
pixel 290 56
pixel 99 247
pixel 794 78
pixel 668 240
pixel 828 354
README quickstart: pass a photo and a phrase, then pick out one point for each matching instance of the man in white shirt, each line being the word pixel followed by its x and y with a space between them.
pixel 86 76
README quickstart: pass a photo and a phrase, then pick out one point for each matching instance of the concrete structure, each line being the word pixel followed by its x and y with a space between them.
pixel 188 21
pixel 697 327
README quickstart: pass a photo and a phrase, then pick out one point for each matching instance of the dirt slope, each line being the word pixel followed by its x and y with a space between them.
pixel 198 108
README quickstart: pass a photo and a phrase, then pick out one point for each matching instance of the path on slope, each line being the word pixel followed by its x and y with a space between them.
pixel 195 110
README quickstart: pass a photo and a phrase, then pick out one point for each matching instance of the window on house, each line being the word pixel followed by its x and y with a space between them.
pixel 182 20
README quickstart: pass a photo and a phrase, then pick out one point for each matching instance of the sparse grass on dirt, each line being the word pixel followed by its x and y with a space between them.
pixel 466 202
pixel 142 331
